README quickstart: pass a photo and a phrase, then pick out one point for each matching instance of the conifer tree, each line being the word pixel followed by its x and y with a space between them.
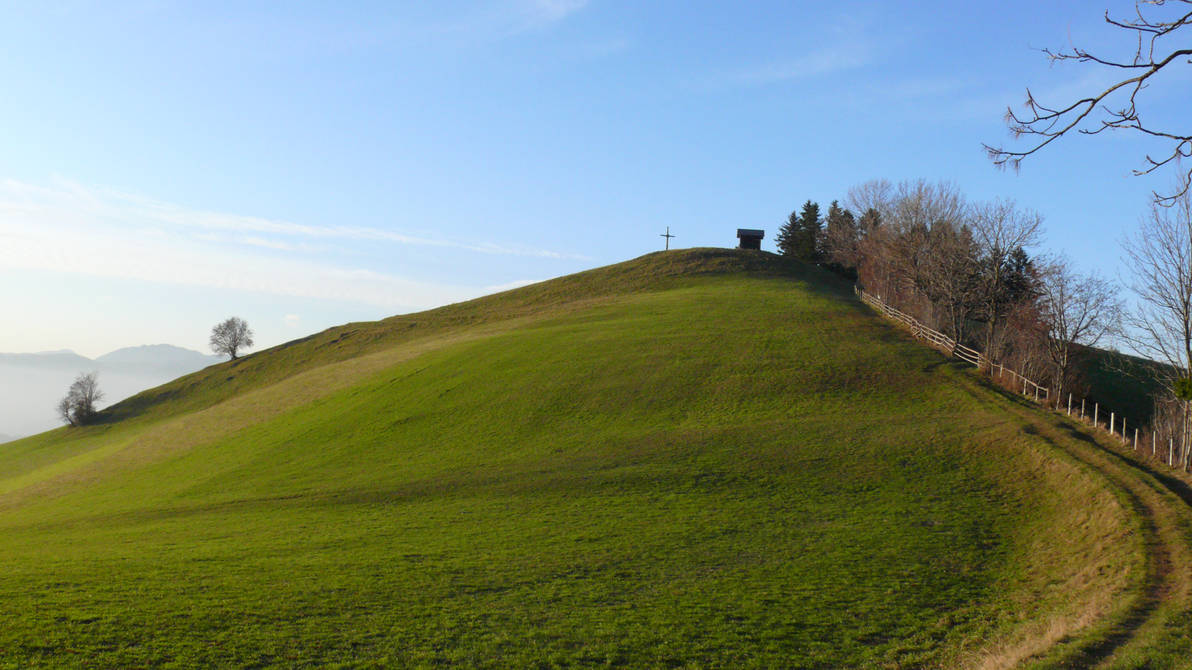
pixel 788 234
pixel 839 244
pixel 869 222
pixel 808 232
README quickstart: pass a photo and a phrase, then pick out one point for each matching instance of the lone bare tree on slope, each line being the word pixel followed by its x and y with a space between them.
pixel 230 336
pixel 78 406
pixel 1160 30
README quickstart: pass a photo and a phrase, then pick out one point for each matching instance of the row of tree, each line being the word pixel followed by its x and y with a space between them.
pixel 964 268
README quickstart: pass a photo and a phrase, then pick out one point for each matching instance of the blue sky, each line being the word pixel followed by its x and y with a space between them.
pixel 302 165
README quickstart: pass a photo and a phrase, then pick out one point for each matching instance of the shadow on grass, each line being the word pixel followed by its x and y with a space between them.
pixel 1099 649
pixel 1079 433
pixel 1172 483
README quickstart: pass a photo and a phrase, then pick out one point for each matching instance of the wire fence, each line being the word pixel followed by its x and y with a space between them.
pixel 1178 449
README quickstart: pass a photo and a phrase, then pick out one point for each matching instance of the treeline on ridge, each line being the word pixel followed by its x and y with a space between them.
pixel 964 268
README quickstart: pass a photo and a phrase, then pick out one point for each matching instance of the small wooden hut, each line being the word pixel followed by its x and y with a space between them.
pixel 750 238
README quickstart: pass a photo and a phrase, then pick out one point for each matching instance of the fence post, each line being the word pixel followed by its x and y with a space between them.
pixel 1135 439
pixel 1111 424
pixel 1069 404
pixel 1152 441
pixel 1096 411
pixel 1082 409
pixel 1036 393
pixel 1170 450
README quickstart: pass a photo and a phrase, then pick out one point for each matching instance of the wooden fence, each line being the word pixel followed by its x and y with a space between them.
pixel 1170 451
pixel 951 347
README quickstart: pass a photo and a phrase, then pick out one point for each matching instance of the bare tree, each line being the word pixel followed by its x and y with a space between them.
pixel 875 268
pixel 230 336
pixel 1022 344
pixel 79 405
pixel 875 194
pixel 1078 311
pixel 920 203
pixel 1160 264
pixel 913 248
pixel 1157 29
pixel 1159 257
pixel 1000 228
pixel 66 410
pixel 919 222
pixel 949 276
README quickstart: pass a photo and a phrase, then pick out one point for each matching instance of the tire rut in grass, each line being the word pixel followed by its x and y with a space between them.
pixel 1160 512
pixel 1163 506
pixel 1164 518
pixel 1157 586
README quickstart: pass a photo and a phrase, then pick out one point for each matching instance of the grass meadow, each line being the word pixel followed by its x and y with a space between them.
pixel 695 459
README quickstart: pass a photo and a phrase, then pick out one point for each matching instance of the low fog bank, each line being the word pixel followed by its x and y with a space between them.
pixel 32 384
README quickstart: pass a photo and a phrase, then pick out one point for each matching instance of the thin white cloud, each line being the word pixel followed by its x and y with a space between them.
pixel 91 232
pixel 67 199
pixel 502 19
pixel 550 11
pixel 521 16
pixel 510 285
pixel 268 244
pixel 950 98
pixel 845 41
pixel 105 252
pixel 602 48
pixel 828 60
pixel 917 89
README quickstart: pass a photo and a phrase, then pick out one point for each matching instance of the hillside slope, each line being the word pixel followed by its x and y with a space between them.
pixel 705 457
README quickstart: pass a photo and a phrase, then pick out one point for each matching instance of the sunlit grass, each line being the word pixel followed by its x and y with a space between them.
pixel 696 459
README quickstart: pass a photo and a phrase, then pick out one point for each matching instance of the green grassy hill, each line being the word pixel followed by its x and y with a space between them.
pixel 1126 384
pixel 695 458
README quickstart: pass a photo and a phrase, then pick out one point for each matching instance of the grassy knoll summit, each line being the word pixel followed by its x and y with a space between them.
pixel 695 458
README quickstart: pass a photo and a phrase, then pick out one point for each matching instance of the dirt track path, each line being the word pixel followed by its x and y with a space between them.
pixel 1153 632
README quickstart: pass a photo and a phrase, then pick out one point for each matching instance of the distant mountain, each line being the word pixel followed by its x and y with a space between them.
pixel 31 384
pixel 165 358
pixel 64 359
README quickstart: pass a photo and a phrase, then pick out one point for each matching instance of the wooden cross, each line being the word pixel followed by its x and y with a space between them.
pixel 668 237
